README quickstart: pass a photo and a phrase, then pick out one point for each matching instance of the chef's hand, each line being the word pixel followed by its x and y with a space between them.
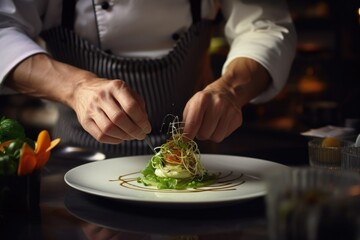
pixel 212 114
pixel 216 111
pixel 110 110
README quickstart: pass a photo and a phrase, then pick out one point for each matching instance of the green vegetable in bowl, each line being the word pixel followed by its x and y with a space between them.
pixel 20 155
pixel 10 129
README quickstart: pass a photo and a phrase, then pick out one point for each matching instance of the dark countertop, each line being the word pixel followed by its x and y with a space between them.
pixel 65 213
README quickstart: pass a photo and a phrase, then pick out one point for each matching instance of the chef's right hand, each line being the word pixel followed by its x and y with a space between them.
pixel 110 110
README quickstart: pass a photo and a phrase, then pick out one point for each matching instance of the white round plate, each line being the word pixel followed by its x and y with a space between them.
pixel 240 178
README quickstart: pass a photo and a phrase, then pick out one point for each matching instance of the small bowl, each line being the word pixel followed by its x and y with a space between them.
pixel 19 194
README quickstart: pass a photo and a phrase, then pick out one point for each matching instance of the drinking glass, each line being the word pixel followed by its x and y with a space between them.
pixel 329 157
pixel 313 204
pixel 350 158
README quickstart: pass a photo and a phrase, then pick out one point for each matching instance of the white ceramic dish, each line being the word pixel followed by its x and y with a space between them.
pixel 240 179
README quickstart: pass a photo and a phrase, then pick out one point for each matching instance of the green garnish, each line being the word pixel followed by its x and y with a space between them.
pixel 176 165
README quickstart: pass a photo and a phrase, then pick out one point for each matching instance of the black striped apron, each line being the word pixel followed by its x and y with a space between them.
pixel 165 83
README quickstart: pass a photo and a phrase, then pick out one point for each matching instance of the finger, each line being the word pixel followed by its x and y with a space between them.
pixel 228 123
pixel 236 123
pixel 114 122
pixel 95 131
pixel 193 117
pixel 141 102
pixel 123 122
pixel 114 105
pixel 211 106
pixel 210 122
pixel 134 107
pixel 109 127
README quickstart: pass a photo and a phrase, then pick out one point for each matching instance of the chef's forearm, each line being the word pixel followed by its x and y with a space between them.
pixel 43 77
pixel 245 79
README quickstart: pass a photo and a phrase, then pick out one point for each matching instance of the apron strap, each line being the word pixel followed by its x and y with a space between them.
pixel 195 10
pixel 68 12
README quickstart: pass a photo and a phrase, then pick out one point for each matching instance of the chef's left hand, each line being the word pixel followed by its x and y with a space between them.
pixel 212 114
pixel 216 111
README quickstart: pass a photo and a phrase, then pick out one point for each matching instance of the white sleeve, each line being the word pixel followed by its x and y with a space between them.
pixel 20 24
pixel 261 30
pixel 15 47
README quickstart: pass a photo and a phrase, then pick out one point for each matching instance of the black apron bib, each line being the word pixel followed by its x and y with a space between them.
pixel 165 83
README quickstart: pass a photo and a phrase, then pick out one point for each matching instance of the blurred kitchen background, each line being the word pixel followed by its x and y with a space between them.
pixel 323 87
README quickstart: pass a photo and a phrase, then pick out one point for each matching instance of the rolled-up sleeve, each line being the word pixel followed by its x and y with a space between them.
pixel 15 47
pixel 262 31
pixel 19 26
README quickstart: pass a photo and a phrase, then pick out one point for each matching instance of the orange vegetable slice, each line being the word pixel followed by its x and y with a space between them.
pixel 43 147
pixel 42 158
pixel 53 144
pixel 27 161
pixel 5 144
pixel 173 157
pixel 43 141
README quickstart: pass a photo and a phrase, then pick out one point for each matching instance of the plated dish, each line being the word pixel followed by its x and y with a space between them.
pixel 240 178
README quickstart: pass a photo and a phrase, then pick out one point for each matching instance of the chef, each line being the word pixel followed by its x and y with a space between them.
pixel 117 68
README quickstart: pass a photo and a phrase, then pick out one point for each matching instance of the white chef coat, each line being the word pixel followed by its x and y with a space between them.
pixel 260 29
